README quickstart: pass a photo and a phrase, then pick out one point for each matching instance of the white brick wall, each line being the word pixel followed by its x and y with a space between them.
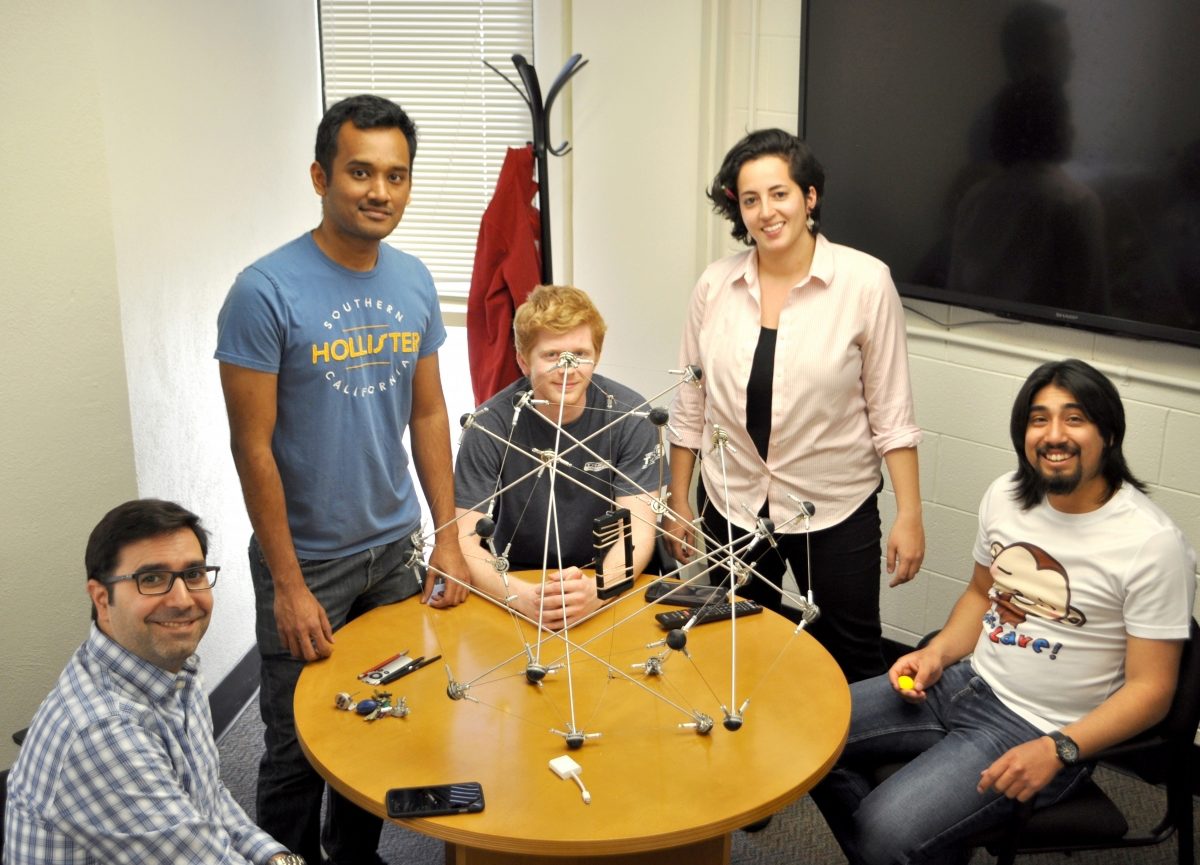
pixel 964 390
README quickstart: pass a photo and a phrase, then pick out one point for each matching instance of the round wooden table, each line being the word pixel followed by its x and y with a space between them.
pixel 654 786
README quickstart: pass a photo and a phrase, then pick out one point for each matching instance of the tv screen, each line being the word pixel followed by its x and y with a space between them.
pixel 1031 159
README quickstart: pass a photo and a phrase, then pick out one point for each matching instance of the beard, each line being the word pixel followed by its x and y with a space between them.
pixel 1057 483
pixel 1060 484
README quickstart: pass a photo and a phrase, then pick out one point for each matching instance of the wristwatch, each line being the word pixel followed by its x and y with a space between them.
pixel 1065 747
pixel 286 859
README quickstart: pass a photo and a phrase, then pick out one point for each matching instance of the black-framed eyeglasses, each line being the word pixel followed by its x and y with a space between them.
pixel 197 579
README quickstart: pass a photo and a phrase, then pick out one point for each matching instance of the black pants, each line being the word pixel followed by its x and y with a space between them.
pixel 844 579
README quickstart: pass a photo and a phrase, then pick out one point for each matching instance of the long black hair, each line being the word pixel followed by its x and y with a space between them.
pixel 1100 402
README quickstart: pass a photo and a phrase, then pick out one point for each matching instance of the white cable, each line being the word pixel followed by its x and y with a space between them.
pixel 587 797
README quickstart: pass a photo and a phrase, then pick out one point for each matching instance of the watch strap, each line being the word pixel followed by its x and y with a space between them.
pixel 1065 747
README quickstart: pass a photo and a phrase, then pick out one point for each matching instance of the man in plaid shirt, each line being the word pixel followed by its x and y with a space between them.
pixel 120 763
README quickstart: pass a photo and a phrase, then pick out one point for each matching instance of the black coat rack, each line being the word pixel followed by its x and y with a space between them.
pixel 540 115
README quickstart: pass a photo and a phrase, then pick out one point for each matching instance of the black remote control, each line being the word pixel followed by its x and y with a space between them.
pixel 673 619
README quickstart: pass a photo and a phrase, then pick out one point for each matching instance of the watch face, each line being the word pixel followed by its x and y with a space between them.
pixel 1066 749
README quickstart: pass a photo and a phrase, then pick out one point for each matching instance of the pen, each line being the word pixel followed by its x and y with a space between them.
pixel 400 671
pixel 410 668
pixel 381 664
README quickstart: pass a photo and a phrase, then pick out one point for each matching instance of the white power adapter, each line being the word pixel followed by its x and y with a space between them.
pixel 564 767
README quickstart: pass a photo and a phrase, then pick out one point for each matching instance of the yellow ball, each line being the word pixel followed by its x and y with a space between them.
pixel 905 682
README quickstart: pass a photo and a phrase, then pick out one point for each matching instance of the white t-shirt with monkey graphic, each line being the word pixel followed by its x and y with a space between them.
pixel 1067 589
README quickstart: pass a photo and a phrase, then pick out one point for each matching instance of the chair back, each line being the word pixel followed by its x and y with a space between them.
pixel 1184 715
pixel 3 807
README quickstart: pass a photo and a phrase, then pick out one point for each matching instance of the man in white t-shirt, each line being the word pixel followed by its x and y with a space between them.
pixel 1066 641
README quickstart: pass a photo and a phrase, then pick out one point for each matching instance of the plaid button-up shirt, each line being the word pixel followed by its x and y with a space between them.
pixel 120 765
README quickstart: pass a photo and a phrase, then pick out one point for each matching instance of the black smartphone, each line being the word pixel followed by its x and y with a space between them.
pixel 683 595
pixel 464 798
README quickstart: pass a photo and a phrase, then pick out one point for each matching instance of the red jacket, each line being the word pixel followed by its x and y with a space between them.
pixel 507 267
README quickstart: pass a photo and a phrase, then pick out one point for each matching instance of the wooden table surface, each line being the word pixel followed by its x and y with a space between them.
pixel 653 785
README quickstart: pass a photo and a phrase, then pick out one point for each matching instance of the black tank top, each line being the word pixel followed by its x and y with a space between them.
pixel 759 389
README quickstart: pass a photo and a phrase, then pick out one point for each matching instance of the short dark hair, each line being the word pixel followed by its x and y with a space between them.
pixel 803 168
pixel 134 521
pixel 1102 404
pixel 365 111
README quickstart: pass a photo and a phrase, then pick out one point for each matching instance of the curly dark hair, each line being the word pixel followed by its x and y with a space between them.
pixel 802 166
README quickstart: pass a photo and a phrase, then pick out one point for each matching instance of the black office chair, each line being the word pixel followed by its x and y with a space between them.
pixel 1089 819
pixel 3 806
pixel 17 737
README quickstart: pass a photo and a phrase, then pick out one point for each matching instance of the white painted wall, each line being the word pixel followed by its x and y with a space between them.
pixel 636 174
pixel 154 150
pixel 208 161
pixel 65 444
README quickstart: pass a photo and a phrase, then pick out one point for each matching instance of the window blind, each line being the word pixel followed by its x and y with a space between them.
pixel 428 57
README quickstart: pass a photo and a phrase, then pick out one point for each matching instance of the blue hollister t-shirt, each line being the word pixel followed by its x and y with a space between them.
pixel 344 345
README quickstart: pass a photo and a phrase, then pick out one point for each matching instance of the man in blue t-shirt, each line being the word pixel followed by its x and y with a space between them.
pixel 328 350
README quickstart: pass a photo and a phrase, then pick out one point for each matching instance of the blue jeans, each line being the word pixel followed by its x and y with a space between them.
pixel 924 812
pixel 289 789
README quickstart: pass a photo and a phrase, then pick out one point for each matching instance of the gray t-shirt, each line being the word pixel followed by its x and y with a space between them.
pixel 521 511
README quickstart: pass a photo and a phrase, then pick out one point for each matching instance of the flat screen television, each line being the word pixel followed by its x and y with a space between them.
pixel 1038 160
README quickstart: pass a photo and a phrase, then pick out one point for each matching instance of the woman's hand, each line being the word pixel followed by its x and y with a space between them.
pixel 905 548
pixel 679 533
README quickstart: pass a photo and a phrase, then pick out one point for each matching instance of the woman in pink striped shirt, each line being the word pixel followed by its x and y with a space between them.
pixel 805 385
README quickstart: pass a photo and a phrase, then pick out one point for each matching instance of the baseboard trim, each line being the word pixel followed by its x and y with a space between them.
pixel 234 692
